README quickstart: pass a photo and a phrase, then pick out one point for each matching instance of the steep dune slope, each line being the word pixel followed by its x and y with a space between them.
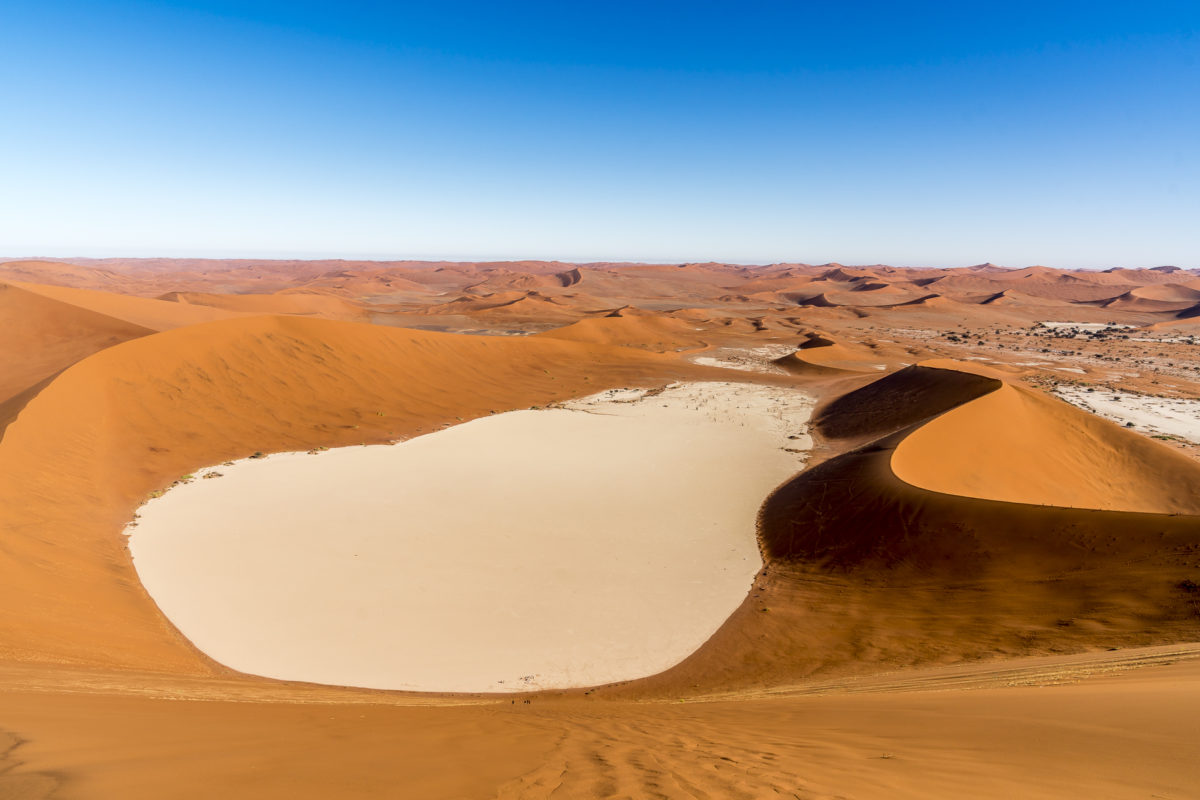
pixel 316 303
pixel 821 354
pixel 43 336
pixel 913 394
pixel 156 315
pixel 1023 447
pixel 867 571
pixel 127 421
pixel 631 327
pixel 1155 299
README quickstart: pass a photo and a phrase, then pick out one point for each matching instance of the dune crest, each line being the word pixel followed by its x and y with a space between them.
pixel 175 401
pixel 1022 447
pixel 820 353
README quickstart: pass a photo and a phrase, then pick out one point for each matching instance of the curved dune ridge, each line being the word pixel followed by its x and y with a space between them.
pixel 870 581
pixel 310 303
pixel 628 327
pixel 1023 447
pixel 578 559
pixel 820 353
pixel 157 315
pixel 44 335
pixel 106 432
pixel 906 574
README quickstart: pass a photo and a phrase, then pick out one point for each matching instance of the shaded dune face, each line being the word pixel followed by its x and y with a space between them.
pixel 920 477
pixel 822 355
pixel 867 573
pixel 89 447
pixel 911 395
pixel 930 575
pixel 43 335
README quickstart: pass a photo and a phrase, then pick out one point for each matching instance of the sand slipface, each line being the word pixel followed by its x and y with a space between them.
pixel 602 540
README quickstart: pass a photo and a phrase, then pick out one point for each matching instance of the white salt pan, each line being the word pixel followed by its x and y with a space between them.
pixel 601 541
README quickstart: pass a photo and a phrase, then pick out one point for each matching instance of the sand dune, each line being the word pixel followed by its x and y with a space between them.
pixel 1012 297
pixel 157 315
pixel 207 393
pixel 318 304
pixel 43 336
pixel 902 575
pixel 820 353
pixel 1155 299
pixel 530 305
pixel 914 394
pixel 632 328
pixel 1023 447
pixel 957 529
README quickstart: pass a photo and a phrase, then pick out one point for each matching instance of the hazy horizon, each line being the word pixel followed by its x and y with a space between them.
pixel 517 259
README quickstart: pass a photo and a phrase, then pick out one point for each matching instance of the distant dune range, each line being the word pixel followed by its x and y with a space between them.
pixel 952 516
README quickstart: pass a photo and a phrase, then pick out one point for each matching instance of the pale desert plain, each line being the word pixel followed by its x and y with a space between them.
pixel 287 529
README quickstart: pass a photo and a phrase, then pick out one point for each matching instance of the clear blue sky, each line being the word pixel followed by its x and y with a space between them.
pixel 1063 133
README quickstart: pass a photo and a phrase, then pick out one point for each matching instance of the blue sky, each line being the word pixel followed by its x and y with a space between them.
pixel 1061 133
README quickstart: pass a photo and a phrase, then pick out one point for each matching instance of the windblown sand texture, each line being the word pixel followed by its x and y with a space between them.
pixel 968 587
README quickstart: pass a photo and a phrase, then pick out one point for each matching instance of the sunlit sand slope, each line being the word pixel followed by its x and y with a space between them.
pixel 867 568
pixel 88 448
pixel 43 336
pixel 315 303
pixel 1024 447
pixel 158 315
pixel 822 354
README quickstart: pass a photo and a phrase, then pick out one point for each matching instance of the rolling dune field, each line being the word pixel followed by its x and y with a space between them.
pixel 947 582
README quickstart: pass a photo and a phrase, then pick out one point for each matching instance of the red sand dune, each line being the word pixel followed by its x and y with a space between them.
pixel 158 315
pixel 1023 447
pixel 1155 298
pixel 630 327
pixel 204 394
pixel 44 335
pixel 319 304
pixel 952 515
pixel 820 353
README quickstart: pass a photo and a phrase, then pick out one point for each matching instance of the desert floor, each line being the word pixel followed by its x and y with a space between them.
pixel 878 532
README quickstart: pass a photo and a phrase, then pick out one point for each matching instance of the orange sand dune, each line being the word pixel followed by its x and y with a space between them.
pixel 914 394
pixel 1111 733
pixel 510 280
pixel 318 304
pixel 72 469
pixel 1046 285
pixel 632 328
pixel 1155 298
pixel 950 517
pixel 867 568
pixel 928 301
pixel 531 305
pixel 1012 297
pixel 1024 447
pixel 58 273
pixel 156 315
pixel 43 336
pixel 1169 292
pixel 820 353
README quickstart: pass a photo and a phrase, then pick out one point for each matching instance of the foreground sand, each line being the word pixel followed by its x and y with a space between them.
pixel 599 541
pixel 1085 727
